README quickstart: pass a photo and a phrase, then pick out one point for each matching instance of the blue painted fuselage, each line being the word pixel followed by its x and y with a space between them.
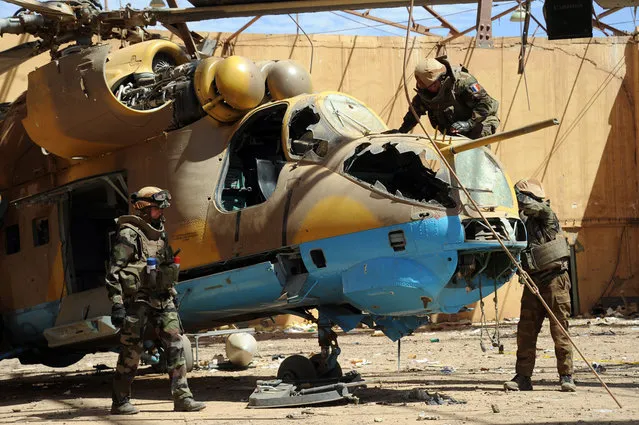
pixel 363 271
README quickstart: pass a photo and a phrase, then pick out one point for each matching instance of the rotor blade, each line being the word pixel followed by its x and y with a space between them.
pixel 53 8
pixel 16 55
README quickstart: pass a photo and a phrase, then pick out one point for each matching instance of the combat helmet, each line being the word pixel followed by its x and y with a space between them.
pixel 428 70
pixel 151 196
pixel 531 187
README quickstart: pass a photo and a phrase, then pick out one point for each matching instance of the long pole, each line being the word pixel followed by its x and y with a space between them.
pixel 526 279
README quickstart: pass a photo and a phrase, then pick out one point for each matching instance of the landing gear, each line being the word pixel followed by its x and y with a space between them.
pixel 297 368
pixel 324 365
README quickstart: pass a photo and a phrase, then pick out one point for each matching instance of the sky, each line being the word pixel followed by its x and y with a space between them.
pixel 462 16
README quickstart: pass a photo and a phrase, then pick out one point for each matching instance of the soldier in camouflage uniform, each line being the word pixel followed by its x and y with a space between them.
pixel 546 261
pixel 142 299
pixel 453 99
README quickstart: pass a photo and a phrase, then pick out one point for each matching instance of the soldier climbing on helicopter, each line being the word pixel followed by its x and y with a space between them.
pixel 140 281
pixel 455 102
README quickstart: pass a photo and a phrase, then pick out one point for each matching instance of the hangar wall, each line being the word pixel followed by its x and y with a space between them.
pixel 588 164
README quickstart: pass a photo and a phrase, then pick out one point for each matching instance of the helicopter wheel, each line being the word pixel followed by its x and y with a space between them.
pixel 334 373
pixel 297 368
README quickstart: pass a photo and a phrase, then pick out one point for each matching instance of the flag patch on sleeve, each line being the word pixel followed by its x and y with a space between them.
pixel 475 88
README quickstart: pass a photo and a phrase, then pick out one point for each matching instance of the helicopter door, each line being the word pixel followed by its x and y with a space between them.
pixel 88 226
pixel 249 184
pixel 90 211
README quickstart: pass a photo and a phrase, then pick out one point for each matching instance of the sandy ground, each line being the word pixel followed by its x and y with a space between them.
pixel 81 393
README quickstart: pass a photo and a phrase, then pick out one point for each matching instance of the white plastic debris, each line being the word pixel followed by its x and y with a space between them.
pixel 240 348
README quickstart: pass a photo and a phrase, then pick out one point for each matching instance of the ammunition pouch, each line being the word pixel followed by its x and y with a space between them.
pixel 547 256
pixel 131 279
pixel 167 276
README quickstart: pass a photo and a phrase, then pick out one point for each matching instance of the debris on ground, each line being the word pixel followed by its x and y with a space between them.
pixel 495 408
pixel 447 370
pixel 378 420
pixel 377 333
pixel 432 398
pixel 301 328
pixel 422 416
pixel 598 367
pixel 604 333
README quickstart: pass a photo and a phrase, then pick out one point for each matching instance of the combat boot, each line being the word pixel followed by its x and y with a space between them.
pixel 188 405
pixel 124 408
pixel 567 384
pixel 519 383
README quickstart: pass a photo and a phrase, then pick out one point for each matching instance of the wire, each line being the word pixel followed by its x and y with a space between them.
pixel 368 26
pixel 614 272
pixel 530 284
pixel 309 40
pixel 372 26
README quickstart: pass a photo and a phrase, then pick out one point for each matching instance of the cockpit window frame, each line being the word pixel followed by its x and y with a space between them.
pixel 317 101
pixel 246 120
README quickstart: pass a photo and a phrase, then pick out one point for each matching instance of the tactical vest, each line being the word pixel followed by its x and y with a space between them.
pixel 548 256
pixel 151 243
pixel 544 255
pixel 444 108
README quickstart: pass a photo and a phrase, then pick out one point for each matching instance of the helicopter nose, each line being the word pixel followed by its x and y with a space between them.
pixel 404 169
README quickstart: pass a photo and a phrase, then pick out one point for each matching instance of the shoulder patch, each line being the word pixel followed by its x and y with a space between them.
pixel 475 88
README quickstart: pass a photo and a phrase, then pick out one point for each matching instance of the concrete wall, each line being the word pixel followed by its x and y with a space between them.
pixel 588 164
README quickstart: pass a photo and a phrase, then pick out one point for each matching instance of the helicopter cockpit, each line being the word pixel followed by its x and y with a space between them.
pixel 306 126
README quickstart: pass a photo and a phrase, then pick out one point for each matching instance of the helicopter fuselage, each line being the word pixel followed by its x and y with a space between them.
pixel 301 204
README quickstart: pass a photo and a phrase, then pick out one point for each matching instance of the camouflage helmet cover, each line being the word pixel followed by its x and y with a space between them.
pixel 428 70
pixel 531 187
pixel 150 196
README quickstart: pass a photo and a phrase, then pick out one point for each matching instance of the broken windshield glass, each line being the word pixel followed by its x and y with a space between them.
pixel 483 178
pixel 350 117
pixel 404 171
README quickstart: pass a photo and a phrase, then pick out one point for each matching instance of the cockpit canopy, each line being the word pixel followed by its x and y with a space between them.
pixel 315 124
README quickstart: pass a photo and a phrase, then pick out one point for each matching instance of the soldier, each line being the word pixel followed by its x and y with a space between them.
pixel 546 261
pixel 142 295
pixel 453 99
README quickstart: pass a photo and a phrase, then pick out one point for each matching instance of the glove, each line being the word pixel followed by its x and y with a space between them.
pixel 393 131
pixel 461 127
pixel 118 313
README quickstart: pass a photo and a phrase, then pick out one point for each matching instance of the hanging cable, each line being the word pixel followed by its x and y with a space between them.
pixel 309 40
pixel 524 277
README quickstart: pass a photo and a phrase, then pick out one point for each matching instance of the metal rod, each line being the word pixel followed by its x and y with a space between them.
pixel 538 23
pixel 399 354
pixel 608 12
pixel 498 137
pixel 238 32
pixel 413 28
pixel 466 31
pixel 441 19
pixel 185 34
pixel 526 279
pixel 603 26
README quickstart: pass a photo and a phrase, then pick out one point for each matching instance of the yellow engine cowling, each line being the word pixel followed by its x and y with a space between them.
pixel 228 88
pixel 72 112
pixel 140 59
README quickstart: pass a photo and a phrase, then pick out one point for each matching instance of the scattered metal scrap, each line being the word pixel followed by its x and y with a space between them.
pixel 276 393
pixel 434 398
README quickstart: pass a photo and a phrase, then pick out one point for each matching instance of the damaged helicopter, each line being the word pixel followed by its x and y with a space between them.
pixel 284 200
